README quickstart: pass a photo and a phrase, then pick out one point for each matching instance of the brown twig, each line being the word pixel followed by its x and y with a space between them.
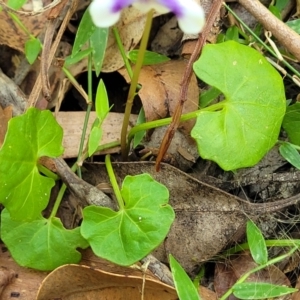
pixel 53 22
pixel 34 95
pixel 285 35
pixel 45 62
pixel 85 192
pixel 214 10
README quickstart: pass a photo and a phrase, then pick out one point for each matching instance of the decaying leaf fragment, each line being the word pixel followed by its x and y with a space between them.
pixel 160 91
pixel 83 282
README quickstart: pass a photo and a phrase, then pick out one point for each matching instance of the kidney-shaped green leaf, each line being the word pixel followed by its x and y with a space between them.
pixel 23 191
pixel 128 235
pixel 41 244
pixel 242 128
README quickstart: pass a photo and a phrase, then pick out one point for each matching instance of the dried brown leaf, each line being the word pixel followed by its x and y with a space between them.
pixel 83 282
pixel 72 123
pixel 160 91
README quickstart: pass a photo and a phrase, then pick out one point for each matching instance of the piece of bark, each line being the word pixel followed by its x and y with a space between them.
pixel 72 124
pixel 11 95
pixel 84 191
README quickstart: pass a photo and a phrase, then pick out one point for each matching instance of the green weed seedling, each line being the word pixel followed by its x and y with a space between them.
pixel 25 194
pixel 86 34
pixel 242 290
pixel 258 249
pixel 102 109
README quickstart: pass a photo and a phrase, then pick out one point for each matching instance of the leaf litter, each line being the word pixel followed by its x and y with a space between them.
pixel 190 221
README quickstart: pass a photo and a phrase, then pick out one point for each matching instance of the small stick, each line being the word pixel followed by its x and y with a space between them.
pixel 34 95
pixel 160 270
pixel 53 22
pixel 214 10
pixel 285 35
pixel 85 192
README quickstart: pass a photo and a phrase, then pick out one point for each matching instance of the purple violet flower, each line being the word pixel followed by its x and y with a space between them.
pixel 190 15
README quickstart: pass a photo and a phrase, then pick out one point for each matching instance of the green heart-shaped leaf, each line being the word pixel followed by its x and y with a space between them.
pixel 41 244
pixel 128 235
pixel 23 191
pixel 240 130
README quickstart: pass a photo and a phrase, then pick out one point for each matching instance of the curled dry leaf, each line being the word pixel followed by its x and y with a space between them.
pixel 97 278
pixel 171 45
pixel 83 282
pixel 160 91
pixel 27 283
pixel 89 259
pixel 12 35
